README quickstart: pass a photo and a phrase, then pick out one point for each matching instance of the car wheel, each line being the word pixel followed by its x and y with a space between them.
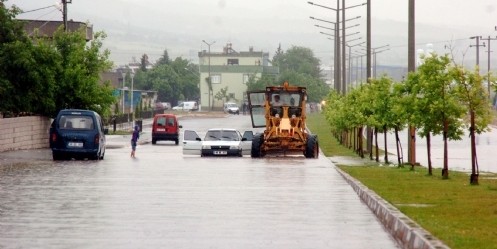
pixel 94 157
pixel 176 141
pixel 56 156
pixel 154 141
pixel 312 147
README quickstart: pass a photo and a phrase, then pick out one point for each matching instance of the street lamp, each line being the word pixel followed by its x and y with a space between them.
pixel 337 40
pixel 374 59
pixel 337 65
pixel 209 80
pixel 350 58
pixel 374 52
pixel 132 73
pixel 123 73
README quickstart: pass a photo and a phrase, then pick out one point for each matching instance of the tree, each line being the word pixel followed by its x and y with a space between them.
pixel 298 59
pixel 317 90
pixel 188 78
pixel 436 107
pixel 469 89
pixel 42 77
pixel 255 84
pixel 222 95
pixel 79 77
pixel 299 67
pixel 22 85
pixel 144 62
pixel 164 59
pixel 165 81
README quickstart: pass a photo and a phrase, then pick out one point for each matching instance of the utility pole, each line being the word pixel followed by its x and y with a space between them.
pixel 339 62
pixel 411 67
pixel 477 50
pixel 488 63
pixel 369 131
pixel 64 12
pixel 209 80
pixel 344 68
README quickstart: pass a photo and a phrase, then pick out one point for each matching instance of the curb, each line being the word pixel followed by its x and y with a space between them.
pixel 404 230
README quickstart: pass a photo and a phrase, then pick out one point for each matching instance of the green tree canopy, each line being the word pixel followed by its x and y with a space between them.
pixel 42 76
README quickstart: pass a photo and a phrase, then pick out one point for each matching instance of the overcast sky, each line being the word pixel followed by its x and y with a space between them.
pixel 136 27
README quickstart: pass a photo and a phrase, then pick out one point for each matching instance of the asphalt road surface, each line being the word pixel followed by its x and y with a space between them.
pixel 162 199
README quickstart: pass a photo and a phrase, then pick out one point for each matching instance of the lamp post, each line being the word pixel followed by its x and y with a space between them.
pixel 209 80
pixel 374 59
pixel 132 74
pixel 337 66
pixel 374 52
pixel 339 60
pixel 124 77
pixel 350 58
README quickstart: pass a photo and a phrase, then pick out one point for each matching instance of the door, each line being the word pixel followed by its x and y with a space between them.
pixel 257 101
pixel 247 142
pixel 192 143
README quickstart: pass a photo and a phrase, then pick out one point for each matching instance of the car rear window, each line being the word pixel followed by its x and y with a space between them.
pixel 76 122
pixel 163 121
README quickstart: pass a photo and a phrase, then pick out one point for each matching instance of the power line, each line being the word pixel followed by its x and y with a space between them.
pixel 23 12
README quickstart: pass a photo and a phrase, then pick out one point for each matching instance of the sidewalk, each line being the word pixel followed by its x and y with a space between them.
pixel 121 141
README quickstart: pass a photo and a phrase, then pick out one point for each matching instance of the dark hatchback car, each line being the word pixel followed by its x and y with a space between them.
pixel 77 134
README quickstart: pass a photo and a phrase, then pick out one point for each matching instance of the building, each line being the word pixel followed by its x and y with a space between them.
pixel 230 69
pixel 46 28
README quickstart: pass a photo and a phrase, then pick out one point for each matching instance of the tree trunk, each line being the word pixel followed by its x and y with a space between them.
pixel 376 144
pixel 399 150
pixel 361 148
pixel 370 137
pixel 355 140
pixel 385 137
pixel 428 148
pixel 474 167
pixel 445 170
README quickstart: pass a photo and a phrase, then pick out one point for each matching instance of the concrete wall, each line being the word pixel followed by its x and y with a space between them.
pixel 24 133
pixel 404 230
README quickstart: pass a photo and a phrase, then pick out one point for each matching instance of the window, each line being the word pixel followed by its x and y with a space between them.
pixel 232 61
pixel 76 122
pixel 246 78
pixel 216 78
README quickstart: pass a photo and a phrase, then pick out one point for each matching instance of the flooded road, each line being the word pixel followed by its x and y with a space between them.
pixel 163 199
pixel 459 152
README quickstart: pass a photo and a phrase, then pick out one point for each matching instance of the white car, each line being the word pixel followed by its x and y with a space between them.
pixel 217 142
pixel 231 108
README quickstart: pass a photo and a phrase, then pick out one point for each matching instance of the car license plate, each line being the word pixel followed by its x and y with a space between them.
pixel 73 144
pixel 220 152
pixel 161 129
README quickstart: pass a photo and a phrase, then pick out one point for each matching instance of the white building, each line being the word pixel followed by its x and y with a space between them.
pixel 231 69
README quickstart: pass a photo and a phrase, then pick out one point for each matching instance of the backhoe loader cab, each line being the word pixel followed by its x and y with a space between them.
pixel 281 111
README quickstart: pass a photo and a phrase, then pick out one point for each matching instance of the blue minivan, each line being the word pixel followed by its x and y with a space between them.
pixel 77 134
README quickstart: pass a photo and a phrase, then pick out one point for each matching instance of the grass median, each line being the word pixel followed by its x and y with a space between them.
pixel 459 214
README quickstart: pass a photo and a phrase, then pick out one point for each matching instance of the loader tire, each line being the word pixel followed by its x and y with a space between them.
pixel 255 152
pixel 312 147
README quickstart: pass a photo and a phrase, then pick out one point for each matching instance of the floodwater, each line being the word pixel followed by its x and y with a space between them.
pixel 163 199
pixel 459 151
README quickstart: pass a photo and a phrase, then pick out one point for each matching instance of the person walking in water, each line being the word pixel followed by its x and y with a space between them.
pixel 134 139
